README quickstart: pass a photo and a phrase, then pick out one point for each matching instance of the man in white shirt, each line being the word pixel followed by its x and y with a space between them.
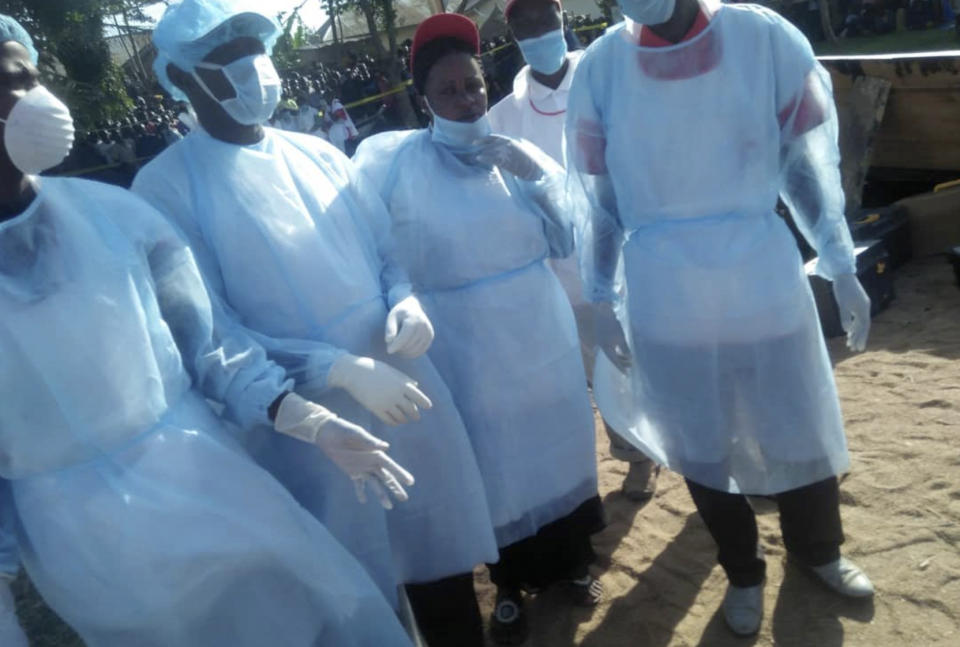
pixel 536 111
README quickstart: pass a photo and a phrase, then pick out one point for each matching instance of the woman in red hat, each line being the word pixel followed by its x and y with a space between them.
pixel 475 218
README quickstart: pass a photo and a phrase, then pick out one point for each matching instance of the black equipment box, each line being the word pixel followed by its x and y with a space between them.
pixel 887 224
pixel 954 254
pixel 874 272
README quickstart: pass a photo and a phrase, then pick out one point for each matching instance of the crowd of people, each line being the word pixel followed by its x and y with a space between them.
pixel 314 98
pixel 207 376
pixel 854 18
pixel 313 102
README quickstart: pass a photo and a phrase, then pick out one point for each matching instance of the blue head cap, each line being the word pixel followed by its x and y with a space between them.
pixel 191 29
pixel 10 29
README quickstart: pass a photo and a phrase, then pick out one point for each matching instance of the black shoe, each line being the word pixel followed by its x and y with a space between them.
pixel 508 624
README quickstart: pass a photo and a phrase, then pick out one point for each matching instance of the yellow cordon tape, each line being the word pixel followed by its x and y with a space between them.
pixel 400 88
pixel 103 167
pixel 403 86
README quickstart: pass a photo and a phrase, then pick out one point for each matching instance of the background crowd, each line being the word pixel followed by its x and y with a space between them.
pixel 347 102
pixel 342 103
pixel 868 17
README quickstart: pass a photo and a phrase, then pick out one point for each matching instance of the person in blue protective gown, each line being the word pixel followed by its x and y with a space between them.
pixel 137 516
pixel 11 633
pixel 684 126
pixel 299 252
pixel 536 111
pixel 475 219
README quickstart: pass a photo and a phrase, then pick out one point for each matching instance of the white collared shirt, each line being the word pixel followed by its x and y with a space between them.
pixel 535 112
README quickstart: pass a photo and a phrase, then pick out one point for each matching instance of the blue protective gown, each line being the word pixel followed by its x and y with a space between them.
pixel 476 243
pixel 301 253
pixel 139 519
pixel 9 553
pixel 681 153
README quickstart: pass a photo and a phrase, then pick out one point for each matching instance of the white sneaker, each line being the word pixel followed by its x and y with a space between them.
pixel 845 577
pixel 743 609
pixel 11 634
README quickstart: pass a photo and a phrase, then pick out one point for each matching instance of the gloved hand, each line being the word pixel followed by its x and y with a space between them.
pixel 497 150
pixel 610 337
pixel 358 454
pixel 409 332
pixel 383 390
pixel 854 306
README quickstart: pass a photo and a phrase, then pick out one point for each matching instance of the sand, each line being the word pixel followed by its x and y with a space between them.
pixel 900 505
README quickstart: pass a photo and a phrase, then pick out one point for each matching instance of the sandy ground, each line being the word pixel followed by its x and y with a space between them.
pixel 900 506
pixel 901 511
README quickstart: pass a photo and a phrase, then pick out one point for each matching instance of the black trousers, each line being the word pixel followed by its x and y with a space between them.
pixel 809 520
pixel 560 550
pixel 447 612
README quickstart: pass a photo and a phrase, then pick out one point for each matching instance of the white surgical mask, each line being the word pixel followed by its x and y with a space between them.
pixel 459 135
pixel 546 53
pixel 256 85
pixel 648 12
pixel 38 132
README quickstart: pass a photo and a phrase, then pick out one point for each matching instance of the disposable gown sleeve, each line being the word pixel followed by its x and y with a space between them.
pixel 305 361
pixel 548 200
pixel 226 365
pixel 810 182
pixel 373 213
pixel 590 190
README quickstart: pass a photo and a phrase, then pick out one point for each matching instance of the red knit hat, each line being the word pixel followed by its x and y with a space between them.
pixel 441 25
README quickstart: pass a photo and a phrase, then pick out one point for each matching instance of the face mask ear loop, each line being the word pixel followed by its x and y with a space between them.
pixel 203 85
pixel 433 121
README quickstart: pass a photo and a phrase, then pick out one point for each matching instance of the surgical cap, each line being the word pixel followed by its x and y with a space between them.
pixel 10 29
pixel 191 29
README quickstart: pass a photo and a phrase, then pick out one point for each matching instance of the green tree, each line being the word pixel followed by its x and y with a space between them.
pixel 74 56
pixel 826 21
pixel 285 53
pixel 128 19
pixel 381 15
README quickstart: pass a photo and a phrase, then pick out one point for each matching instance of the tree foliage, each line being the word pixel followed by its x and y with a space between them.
pixel 381 16
pixel 74 54
pixel 294 36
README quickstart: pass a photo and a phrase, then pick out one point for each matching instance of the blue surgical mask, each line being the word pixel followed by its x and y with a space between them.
pixel 648 12
pixel 256 84
pixel 458 135
pixel 546 53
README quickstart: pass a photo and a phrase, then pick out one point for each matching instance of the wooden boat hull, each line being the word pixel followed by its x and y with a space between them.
pixel 920 130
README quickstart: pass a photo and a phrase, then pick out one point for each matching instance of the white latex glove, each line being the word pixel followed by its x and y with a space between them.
pixel 409 332
pixel 387 393
pixel 610 336
pixel 854 306
pixel 497 150
pixel 358 454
